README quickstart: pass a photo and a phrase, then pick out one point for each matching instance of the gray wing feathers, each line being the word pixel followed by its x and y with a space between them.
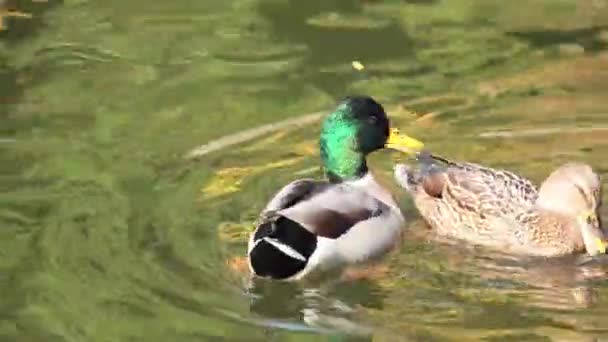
pixel 371 238
pixel 293 193
pixel 334 210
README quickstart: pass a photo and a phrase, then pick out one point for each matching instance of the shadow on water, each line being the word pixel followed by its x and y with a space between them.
pixel 18 216
pixel 504 297
pixel 566 282
pixel 322 307
pixel 276 298
pixel 13 83
pixel 16 31
pixel 10 93
pixel 334 45
pixel 23 28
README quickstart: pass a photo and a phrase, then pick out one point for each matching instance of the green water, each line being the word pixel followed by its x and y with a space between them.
pixel 108 232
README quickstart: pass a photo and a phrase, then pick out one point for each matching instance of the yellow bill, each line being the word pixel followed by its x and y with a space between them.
pixel 403 143
pixel 601 245
pixel 593 233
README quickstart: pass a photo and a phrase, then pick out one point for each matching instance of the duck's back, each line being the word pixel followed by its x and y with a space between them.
pixel 462 199
pixel 501 188
pixel 312 225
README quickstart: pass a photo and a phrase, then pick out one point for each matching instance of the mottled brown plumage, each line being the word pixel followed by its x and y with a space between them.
pixel 501 209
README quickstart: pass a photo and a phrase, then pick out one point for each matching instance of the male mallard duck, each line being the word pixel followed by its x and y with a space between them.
pixel 314 225
pixel 501 209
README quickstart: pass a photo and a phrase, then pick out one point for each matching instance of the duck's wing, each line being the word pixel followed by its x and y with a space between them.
pixel 469 187
pixel 334 210
pixel 293 193
pixel 468 191
pixel 289 228
pixel 487 183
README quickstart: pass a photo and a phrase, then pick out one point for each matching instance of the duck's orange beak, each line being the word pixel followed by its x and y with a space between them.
pixel 403 143
pixel 593 236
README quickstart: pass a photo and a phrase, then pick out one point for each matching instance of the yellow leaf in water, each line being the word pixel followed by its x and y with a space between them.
pixel 358 65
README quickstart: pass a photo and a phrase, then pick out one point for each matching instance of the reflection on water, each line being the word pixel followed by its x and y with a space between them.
pixel 317 25
pixel 108 233
pixel 554 283
pixel 322 308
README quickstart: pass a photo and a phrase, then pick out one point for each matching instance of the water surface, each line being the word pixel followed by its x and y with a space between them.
pixel 108 232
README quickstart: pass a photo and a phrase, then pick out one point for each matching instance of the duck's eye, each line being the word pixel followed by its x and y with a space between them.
pixel 591 219
pixel 373 119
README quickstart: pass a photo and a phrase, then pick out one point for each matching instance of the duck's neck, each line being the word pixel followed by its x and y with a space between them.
pixel 370 185
pixel 340 158
pixel 345 170
pixel 339 146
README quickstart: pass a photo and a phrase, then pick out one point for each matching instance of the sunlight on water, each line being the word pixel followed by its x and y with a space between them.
pixel 139 140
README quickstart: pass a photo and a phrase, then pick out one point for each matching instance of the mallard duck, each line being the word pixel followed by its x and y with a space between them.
pixel 501 209
pixel 319 225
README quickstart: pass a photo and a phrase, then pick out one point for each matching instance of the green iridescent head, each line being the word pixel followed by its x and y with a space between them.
pixel 356 128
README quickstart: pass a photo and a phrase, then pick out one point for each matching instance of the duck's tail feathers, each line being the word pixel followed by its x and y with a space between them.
pixel 281 248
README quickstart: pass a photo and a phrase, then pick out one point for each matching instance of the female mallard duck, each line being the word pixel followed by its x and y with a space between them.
pixel 313 225
pixel 500 209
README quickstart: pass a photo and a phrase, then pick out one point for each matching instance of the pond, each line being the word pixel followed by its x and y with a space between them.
pixel 114 226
